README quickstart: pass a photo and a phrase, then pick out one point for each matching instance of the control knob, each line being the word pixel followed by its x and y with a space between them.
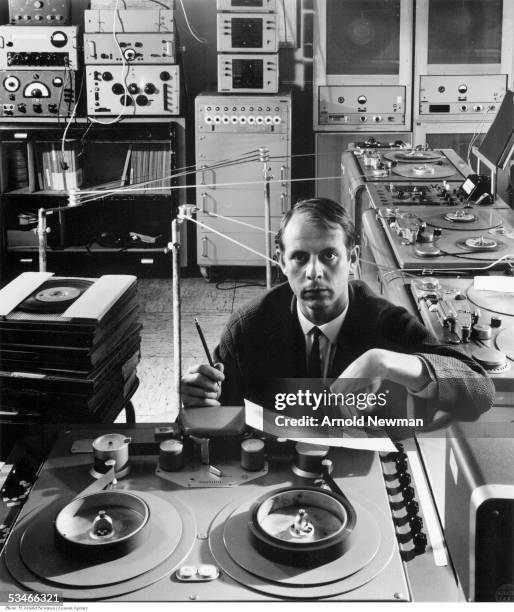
pixel 408 493
pixel 309 457
pixel 118 89
pixel 171 456
pixel 126 100
pixel 141 100
pixel 133 88
pixel 149 88
pixel 252 454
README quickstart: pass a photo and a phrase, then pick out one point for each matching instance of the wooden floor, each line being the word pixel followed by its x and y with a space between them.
pixel 212 306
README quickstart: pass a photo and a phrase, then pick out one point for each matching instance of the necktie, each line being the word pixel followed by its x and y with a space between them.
pixel 314 365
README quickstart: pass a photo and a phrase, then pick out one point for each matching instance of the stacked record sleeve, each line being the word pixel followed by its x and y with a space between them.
pixel 69 347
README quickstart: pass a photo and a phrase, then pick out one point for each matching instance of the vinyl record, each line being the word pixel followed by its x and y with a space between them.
pixel 423 171
pixel 413 156
pixel 55 295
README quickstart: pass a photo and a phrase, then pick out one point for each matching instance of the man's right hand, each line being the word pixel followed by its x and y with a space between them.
pixel 201 385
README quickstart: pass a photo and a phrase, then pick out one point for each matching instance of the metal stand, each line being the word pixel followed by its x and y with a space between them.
pixel 174 246
pixel 264 157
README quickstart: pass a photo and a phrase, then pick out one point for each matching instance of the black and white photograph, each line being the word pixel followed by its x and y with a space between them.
pixel 256 303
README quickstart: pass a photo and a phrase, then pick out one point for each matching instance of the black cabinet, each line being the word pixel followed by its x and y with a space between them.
pixel 124 178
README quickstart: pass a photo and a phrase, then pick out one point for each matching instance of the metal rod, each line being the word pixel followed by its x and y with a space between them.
pixel 41 234
pixel 264 153
pixel 177 339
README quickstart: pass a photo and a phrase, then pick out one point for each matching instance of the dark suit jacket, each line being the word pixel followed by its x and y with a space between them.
pixel 264 341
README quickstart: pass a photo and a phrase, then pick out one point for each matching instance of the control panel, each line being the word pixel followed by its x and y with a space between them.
pixel 137 20
pixel 136 91
pixel 460 97
pixel 246 5
pixel 243 115
pixel 48 93
pixel 39 12
pixel 245 73
pixel 363 107
pixel 132 4
pixel 252 32
pixel 140 48
pixel 460 312
pixel 26 47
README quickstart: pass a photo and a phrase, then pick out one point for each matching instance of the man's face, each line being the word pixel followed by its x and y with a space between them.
pixel 317 267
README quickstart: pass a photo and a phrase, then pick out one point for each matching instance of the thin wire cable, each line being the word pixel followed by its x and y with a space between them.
pixel 256 227
pixel 244 246
pixel 193 33
pixel 124 69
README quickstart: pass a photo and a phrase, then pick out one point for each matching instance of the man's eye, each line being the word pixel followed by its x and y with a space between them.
pixel 298 257
pixel 330 255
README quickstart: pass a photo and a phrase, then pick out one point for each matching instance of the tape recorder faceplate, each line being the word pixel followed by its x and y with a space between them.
pixel 401 165
pixel 265 535
pixel 480 321
pixel 447 237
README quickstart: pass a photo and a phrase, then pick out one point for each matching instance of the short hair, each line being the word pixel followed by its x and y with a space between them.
pixel 324 213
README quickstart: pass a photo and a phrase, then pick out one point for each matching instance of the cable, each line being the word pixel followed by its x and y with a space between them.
pixel 124 70
pixel 244 246
pixel 193 34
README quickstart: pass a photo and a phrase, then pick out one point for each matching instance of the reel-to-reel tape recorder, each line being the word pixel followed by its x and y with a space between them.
pixel 403 164
pixel 263 520
pixel 446 237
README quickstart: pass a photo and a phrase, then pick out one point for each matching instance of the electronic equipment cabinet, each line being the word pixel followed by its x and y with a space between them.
pixel 123 179
pixel 231 130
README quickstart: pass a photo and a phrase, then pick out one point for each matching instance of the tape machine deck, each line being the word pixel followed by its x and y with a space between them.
pixel 407 165
pixel 449 237
pixel 272 535
pixel 481 322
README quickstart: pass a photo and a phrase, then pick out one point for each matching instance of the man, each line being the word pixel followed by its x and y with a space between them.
pixel 362 339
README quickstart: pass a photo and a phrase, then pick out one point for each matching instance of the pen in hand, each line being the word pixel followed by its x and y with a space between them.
pixel 205 347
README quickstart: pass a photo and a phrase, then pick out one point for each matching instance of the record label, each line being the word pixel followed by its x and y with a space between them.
pixel 55 295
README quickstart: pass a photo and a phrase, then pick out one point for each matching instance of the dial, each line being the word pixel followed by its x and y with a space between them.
pixel 59 39
pixel 11 83
pixel 36 90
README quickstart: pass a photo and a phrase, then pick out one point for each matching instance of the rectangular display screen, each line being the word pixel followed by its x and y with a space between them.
pixel 465 32
pixel 248 74
pixel 256 3
pixel 246 33
pixel 363 37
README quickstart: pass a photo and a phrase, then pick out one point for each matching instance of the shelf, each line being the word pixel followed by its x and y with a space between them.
pixel 96 248
pixel 132 193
